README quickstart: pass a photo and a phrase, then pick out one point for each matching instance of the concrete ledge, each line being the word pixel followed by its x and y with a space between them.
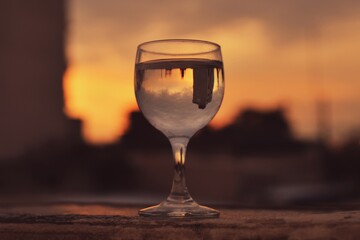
pixel 71 221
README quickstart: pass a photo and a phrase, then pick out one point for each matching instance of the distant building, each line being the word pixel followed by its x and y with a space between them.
pixel 32 64
pixel 253 132
pixel 142 135
pixel 323 115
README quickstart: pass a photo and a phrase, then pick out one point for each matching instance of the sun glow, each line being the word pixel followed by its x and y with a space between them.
pixel 260 69
pixel 101 101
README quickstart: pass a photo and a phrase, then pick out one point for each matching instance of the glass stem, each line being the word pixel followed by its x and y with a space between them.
pixel 179 192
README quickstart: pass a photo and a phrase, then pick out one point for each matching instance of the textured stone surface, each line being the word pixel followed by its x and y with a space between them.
pixel 71 221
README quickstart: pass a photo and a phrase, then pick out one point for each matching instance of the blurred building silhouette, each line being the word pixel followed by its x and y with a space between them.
pixel 256 160
pixel 323 115
pixel 141 135
pixel 253 131
pixel 32 64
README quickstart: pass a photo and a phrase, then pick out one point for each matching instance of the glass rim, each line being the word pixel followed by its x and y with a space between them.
pixel 216 46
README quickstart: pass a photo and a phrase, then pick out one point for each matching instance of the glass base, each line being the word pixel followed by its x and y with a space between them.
pixel 169 209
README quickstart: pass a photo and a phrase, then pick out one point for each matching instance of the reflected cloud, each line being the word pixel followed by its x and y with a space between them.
pixel 174 113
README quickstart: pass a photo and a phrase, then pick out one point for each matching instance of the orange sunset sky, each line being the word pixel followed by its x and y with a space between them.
pixel 276 53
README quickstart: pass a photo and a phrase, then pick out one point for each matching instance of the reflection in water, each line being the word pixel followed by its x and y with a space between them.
pixel 182 100
pixel 203 86
pixel 174 113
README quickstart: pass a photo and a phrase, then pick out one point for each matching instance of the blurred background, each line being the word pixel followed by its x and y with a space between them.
pixel 287 134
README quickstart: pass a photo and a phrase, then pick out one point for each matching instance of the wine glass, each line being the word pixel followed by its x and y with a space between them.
pixel 179 87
